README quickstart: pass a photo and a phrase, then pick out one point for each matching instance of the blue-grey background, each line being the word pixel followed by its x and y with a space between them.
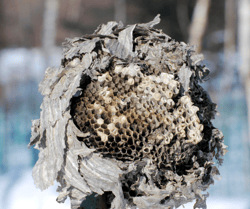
pixel 29 43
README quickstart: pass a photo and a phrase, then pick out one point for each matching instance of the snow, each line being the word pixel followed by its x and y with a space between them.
pixel 24 193
pixel 223 203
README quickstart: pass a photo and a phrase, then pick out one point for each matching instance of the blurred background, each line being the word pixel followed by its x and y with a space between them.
pixel 31 35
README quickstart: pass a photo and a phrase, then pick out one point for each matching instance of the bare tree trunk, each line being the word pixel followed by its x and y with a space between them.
pixel 229 43
pixel 244 48
pixel 120 11
pixel 49 27
pixel 2 19
pixel 199 23
pixel 25 24
pixel 182 17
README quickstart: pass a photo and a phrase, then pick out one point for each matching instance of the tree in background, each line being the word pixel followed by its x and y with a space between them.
pixel 244 68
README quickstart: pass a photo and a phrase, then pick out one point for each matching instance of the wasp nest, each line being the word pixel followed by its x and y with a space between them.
pixel 125 115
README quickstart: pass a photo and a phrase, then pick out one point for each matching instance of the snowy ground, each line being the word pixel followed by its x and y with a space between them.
pixel 23 193
pixel 223 203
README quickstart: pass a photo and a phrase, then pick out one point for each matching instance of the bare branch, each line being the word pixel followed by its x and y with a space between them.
pixel 199 23
pixel 244 43
pixel 182 17
pixel 120 11
pixel 229 44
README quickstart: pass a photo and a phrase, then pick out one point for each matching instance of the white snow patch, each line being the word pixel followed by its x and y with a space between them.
pixel 25 195
pixel 223 203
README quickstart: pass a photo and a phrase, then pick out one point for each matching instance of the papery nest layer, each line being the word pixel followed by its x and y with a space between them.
pixel 125 114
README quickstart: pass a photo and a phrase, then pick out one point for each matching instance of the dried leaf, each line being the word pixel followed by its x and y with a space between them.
pixel 184 77
pixel 152 23
pixel 106 29
pixel 123 47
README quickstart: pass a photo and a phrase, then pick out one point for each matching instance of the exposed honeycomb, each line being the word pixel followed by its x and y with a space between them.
pixel 131 115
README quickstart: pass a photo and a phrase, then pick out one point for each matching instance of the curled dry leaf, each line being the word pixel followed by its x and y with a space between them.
pixel 125 115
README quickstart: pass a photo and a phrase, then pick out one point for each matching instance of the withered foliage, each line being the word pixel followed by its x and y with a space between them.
pixel 125 114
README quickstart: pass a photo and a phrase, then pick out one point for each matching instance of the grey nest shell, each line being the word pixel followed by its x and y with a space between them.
pixel 125 114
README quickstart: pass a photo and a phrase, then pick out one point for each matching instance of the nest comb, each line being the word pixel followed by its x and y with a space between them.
pixel 125 114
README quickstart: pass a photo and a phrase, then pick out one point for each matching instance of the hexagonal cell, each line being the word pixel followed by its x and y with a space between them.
pixel 144 132
pixel 96 126
pixel 114 144
pixel 123 151
pixel 111 138
pixel 118 125
pixel 117 150
pixel 128 132
pixel 90 116
pixel 124 125
pixel 106 131
pixel 111 150
pixel 107 121
pixel 117 139
pixel 104 126
pixel 100 129
pixel 120 131
pixel 130 141
pixel 124 138
pixel 132 147
pixel 129 151
pixel 105 150
pixel 135 135
pixel 93 121
pixel 98 139
pixel 101 144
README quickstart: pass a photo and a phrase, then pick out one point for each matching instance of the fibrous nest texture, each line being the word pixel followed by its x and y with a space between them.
pixel 125 115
